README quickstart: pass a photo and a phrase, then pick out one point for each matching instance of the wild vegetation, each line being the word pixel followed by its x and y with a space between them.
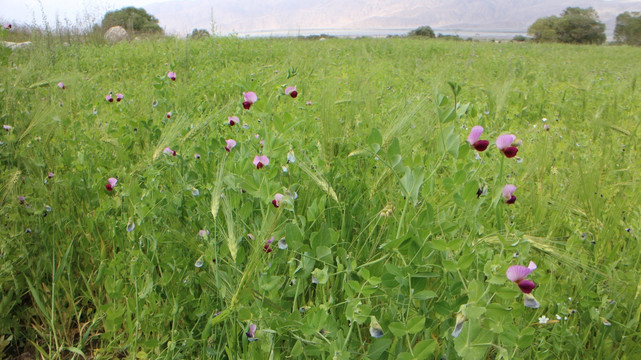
pixel 275 198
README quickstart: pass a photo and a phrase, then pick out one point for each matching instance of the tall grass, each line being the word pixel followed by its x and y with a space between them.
pixel 380 216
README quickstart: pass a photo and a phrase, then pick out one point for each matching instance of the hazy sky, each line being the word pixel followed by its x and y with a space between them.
pixel 25 11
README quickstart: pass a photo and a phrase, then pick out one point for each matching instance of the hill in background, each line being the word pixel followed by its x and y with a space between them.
pixel 180 16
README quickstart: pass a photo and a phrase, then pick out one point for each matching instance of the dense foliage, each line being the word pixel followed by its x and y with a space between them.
pixel 127 210
pixel 425 31
pixel 574 26
pixel 132 19
pixel 628 28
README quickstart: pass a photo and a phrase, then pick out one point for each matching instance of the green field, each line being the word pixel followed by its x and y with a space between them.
pixel 390 218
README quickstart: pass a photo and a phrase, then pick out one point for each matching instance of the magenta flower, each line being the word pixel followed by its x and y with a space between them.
pixel 61 85
pixel 203 233
pixel 233 120
pixel 277 199
pixel 260 161
pixel 111 182
pixel 504 143
pixel 518 273
pixel 171 75
pixel 474 139
pixel 119 97
pixel 250 98
pixel 168 150
pixel 6 127
pixel 109 98
pixel 7 26
pixel 197 156
pixel 169 115
pixel 508 193
pixel 291 91
pixel 546 127
pixel 309 102
pixel 251 333
pixel 21 199
pixel 50 175
pixel 268 248
pixel 230 144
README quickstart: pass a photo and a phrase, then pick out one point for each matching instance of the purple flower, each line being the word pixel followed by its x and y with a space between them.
pixel 518 273
pixel 230 144
pixel 111 182
pixel 7 26
pixel 474 139
pixel 267 248
pixel 109 98
pixel 21 199
pixel 277 199
pixel 119 97
pixel 50 175
pixel 171 75
pixel 168 150
pixel 250 98
pixel 251 333
pixel 169 115
pixel 6 127
pixel 260 161
pixel 233 120
pixel 504 143
pixel 508 191
pixel 291 91
pixel 203 233
pixel 197 156
pixel 61 85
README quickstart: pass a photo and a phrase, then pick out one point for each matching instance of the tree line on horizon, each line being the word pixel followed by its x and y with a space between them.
pixel 582 26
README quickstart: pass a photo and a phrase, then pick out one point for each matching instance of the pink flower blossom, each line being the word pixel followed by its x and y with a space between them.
pixel 6 127
pixel 268 248
pixel 291 91
pixel 61 85
pixel 251 333
pixel 111 182
pixel 169 115
pixel 50 175
pixel 474 139
pixel 197 156
pixel 109 98
pixel 7 26
pixel 233 120
pixel 277 199
pixel 309 102
pixel 250 98
pixel 508 193
pixel 230 144
pixel 168 150
pixel 203 233
pixel 260 161
pixel 518 273
pixel 119 97
pixel 171 75
pixel 504 143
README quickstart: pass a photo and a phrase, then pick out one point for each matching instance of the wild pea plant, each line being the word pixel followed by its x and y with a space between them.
pixel 278 198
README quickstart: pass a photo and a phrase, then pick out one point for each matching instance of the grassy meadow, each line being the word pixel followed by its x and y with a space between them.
pixel 391 228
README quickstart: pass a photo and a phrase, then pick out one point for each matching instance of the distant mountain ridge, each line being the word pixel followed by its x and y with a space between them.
pixel 182 16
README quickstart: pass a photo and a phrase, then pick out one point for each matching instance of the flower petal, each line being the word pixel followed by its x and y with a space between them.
pixel 508 191
pixel 517 273
pixel 504 141
pixel 475 134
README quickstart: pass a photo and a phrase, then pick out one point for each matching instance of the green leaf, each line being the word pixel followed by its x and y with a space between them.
pixel 268 283
pixel 424 295
pixel 415 325
pixel 378 347
pixel 424 349
pixel 397 328
pixel 375 140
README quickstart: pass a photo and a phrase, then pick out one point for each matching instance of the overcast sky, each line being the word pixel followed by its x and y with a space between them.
pixel 26 11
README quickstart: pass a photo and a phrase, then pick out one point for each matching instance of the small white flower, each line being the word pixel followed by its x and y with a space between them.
pixel 544 119
pixel 543 320
pixel 558 317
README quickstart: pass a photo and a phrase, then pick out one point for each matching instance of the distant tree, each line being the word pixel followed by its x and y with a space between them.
pixel 423 31
pixel 544 29
pixel 576 26
pixel 628 28
pixel 580 26
pixel 132 19
pixel 199 33
pixel 519 38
